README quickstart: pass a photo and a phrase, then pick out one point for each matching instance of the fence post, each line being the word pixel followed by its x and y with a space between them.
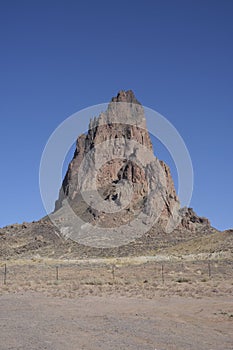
pixel 162 273
pixel 113 273
pixel 5 272
pixel 209 269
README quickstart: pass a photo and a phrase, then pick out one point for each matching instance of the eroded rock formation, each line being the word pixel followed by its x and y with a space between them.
pixel 114 180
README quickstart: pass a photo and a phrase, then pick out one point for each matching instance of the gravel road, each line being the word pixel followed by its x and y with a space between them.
pixel 33 321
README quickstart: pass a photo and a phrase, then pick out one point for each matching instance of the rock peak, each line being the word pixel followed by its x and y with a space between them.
pixel 125 96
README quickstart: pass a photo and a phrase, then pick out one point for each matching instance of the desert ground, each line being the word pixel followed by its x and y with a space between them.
pixel 144 303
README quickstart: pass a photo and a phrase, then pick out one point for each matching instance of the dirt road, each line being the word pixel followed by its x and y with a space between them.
pixel 33 321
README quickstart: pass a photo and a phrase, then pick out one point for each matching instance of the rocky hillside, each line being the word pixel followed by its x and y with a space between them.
pixel 41 240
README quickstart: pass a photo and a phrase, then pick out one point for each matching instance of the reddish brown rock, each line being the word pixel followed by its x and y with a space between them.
pixel 115 158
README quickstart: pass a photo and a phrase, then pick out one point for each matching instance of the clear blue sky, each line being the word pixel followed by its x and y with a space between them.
pixel 58 57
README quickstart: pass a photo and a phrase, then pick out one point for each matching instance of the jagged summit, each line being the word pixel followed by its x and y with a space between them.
pixel 125 96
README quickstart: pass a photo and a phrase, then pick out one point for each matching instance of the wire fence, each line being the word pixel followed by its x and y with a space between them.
pixel 151 272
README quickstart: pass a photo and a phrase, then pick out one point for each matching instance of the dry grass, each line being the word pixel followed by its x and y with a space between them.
pixel 118 276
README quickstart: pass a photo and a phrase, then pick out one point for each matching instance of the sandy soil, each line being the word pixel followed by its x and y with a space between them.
pixel 114 305
pixel 32 321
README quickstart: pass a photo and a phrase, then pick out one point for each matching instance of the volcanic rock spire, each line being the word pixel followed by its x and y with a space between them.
pixel 115 189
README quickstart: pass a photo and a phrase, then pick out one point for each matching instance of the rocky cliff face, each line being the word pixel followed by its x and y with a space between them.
pixel 121 122
pixel 114 180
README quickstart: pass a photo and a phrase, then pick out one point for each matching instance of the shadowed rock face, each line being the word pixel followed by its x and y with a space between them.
pixel 115 159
